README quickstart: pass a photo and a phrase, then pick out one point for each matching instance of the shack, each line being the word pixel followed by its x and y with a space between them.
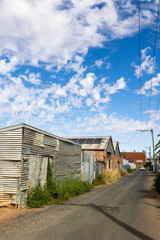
pixel 24 154
pixel 101 147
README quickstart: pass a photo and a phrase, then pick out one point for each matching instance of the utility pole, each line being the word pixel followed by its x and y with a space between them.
pixel 150 153
pixel 151 130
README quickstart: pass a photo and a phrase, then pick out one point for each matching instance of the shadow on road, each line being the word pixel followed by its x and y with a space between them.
pixel 103 210
pixel 148 194
pixel 152 205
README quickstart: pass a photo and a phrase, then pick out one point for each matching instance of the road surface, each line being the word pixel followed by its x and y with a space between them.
pixel 125 210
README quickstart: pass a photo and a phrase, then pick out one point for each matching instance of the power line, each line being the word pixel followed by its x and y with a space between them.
pixel 130 139
pixel 140 75
pixel 154 52
pixel 156 112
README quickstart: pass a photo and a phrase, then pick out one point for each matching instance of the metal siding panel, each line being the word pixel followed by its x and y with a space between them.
pixel 11 145
pixel 68 162
pixel 33 138
pixel 9 178
pixel 50 141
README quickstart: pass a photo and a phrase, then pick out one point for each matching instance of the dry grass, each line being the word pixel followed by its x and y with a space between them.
pixel 110 176
pixel 123 172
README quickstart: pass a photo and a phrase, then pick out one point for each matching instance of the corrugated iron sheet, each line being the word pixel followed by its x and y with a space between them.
pixel 10 156
pixel 11 145
pixel 50 141
pixel 9 177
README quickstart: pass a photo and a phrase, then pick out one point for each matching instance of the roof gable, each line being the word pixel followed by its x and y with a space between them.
pixel 116 148
pixel 110 147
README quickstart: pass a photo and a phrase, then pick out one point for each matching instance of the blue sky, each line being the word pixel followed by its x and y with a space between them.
pixel 71 67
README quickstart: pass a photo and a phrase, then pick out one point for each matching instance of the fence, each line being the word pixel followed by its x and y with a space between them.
pixel 91 167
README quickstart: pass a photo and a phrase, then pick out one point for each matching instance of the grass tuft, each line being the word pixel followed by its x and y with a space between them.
pixel 123 172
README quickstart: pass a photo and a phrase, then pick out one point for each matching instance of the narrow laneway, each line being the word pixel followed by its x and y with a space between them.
pixel 125 210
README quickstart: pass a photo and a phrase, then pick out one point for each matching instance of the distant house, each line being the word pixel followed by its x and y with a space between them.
pixel 24 154
pixel 125 164
pixel 138 158
pixel 102 148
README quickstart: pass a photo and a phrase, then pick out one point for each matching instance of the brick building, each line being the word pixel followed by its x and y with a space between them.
pixel 139 158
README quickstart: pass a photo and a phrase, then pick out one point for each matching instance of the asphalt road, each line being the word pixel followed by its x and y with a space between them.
pixel 125 210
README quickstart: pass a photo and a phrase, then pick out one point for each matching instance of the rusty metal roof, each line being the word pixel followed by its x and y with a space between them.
pixel 92 142
pixel 23 125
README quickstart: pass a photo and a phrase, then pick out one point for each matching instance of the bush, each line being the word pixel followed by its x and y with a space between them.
pixel 39 197
pixel 55 192
pixel 98 181
pixel 51 185
pixel 131 170
pixel 157 183
pixel 71 187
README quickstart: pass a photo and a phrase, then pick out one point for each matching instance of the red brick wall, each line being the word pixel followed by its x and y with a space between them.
pixel 136 156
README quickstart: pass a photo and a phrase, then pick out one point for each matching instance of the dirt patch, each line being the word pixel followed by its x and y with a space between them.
pixel 9 213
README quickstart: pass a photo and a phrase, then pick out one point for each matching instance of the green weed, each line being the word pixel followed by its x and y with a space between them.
pixel 157 183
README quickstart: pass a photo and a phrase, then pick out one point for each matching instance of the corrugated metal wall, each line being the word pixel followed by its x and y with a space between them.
pixel 88 166
pixel 10 164
pixel 67 162
pixel 36 149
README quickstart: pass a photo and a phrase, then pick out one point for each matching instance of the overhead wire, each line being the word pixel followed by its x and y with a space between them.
pixel 140 74
pixel 130 139
pixel 153 65
pixel 155 118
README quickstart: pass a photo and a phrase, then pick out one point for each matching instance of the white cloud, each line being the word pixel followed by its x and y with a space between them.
pixel 51 33
pixel 7 67
pixel 108 65
pixel 18 100
pixel 147 63
pixel 32 78
pixel 87 84
pixel 99 63
pixel 120 84
pixel 147 86
pixel 110 123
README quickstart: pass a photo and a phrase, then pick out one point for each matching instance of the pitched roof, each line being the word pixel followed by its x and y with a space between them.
pixel 23 125
pixel 92 142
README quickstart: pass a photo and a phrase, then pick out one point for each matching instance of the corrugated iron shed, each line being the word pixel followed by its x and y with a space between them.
pixel 24 152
